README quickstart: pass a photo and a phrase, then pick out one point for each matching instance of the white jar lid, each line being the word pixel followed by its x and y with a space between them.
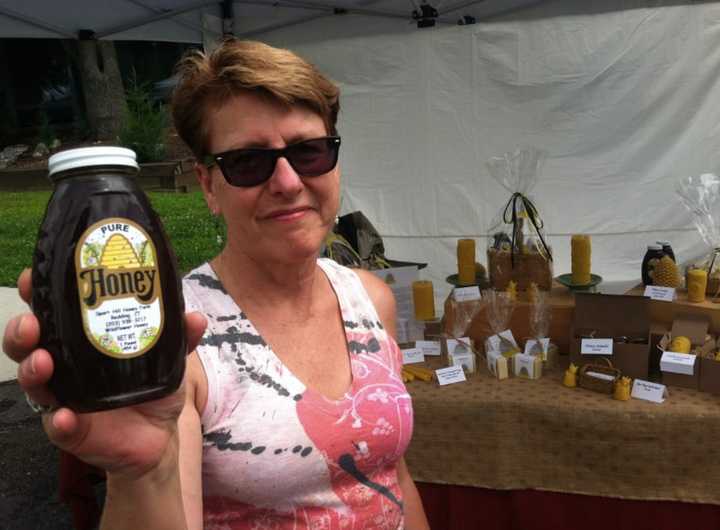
pixel 101 155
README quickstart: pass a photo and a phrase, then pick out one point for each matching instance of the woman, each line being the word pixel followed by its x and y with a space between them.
pixel 292 412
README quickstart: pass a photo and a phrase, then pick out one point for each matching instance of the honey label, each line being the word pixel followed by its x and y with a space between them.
pixel 119 288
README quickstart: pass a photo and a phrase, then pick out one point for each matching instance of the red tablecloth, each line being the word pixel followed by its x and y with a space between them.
pixel 467 508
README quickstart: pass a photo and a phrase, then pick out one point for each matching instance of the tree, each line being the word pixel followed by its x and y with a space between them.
pixel 102 87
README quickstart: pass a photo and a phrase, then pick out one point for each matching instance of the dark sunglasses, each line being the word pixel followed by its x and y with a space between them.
pixel 250 167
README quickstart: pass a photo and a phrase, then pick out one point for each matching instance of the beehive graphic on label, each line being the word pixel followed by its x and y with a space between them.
pixel 118 252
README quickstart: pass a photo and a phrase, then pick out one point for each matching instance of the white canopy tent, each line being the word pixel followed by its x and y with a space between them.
pixel 621 94
pixel 192 20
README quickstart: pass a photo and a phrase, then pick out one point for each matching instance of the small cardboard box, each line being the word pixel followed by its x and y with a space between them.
pixel 624 319
pixel 710 374
pixel 497 364
pixel 695 328
pixel 527 366
pixel 464 359
pixel 547 351
pixel 657 332
pixel 460 352
pixel 433 329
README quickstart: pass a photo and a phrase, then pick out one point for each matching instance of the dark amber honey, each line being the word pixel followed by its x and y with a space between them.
pixel 132 295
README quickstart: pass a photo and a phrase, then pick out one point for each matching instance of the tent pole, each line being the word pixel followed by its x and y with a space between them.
pixel 228 18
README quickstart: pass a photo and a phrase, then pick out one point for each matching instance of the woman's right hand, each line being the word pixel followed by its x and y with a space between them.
pixel 127 442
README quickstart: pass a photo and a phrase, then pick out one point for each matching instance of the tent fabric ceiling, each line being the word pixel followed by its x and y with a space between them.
pixel 186 20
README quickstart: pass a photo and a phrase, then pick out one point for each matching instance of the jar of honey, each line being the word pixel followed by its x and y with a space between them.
pixel 105 285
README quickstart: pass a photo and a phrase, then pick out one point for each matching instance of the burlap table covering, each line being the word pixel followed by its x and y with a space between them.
pixel 520 434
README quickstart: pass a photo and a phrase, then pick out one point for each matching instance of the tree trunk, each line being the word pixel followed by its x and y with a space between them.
pixel 102 87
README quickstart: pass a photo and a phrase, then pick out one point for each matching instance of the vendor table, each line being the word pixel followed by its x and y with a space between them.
pixel 520 434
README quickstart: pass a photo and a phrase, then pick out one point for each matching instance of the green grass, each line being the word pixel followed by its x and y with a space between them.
pixel 189 225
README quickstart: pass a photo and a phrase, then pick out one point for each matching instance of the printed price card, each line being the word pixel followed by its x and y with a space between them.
pixel 412 355
pixel 677 363
pixel 664 294
pixel 429 347
pixel 648 391
pixel 449 375
pixel 596 346
pixel 466 294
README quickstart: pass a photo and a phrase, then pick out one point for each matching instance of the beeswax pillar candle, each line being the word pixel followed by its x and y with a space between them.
pixel 580 252
pixel 466 261
pixel 423 300
pixel 696 285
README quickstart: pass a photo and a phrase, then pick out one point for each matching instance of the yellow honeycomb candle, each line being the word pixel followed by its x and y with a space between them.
pixel 466 261
pixel 680 345
pixel 621 392
pixel 580 251
pixel 666 273
pixel 570 377
pixel 696 285
pixel 423 300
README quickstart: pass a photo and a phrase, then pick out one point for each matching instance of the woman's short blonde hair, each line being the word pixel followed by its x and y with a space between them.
pixel 207 81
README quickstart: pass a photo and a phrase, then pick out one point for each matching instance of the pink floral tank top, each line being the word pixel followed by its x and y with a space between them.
pixel 277 455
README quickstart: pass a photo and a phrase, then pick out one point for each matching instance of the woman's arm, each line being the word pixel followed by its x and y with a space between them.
pixel 142 448
pixel 415 518
pixel 382 298
pixel 190 430
pixel 170 495
pixel 384 302
pixel 151 501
